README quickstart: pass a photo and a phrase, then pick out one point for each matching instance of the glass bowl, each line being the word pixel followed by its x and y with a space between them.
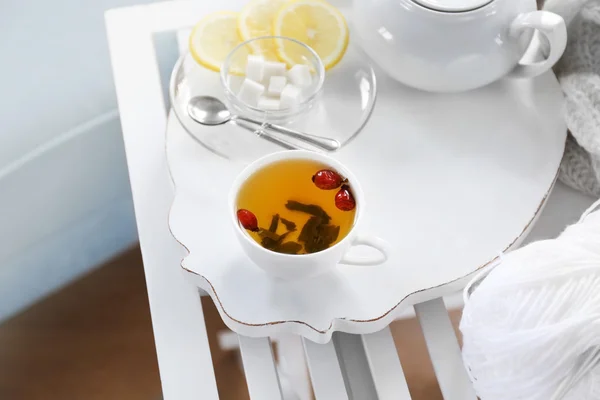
pixel 341 109
pixel 234 67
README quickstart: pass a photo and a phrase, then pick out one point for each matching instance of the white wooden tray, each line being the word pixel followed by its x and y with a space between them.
pixel 450 180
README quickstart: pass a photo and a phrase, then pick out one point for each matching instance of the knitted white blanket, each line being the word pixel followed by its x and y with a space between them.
pixel 579 75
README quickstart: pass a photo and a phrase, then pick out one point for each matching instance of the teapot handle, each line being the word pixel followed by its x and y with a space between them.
pixel 553 27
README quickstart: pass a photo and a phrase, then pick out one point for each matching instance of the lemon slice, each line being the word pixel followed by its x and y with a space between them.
pixel 213 38
pixel 256 20
pixel 315 23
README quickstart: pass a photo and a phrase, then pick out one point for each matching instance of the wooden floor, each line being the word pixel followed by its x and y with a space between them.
pixel 93 340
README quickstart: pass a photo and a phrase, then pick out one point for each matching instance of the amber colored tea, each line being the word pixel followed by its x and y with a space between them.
pixel 295 216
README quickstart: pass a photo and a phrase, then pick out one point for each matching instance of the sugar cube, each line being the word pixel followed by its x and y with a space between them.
pixel 300 76
pixel 272 68
pixel 266 103
pixel 290 96
pixel 250 92
pixel 276 85
pixel 255 67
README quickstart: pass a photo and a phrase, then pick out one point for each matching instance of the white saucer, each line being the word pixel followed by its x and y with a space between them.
pixel 450 180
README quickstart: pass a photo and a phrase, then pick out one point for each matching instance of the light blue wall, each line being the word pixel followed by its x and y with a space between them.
pixel 65 202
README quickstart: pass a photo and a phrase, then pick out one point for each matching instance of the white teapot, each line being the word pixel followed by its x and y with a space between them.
pixel 455 45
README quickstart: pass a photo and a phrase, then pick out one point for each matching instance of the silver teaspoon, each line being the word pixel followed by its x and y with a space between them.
pixel 208 110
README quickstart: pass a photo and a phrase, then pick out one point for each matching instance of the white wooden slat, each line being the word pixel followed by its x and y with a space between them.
pixel 355 367
pixel 293 370
pixel 385 366
pixel 180 334
pixel 259 367
pixel 325 372
pixel 444 351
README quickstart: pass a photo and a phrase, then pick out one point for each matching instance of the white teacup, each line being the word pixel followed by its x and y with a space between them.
pixel 294 266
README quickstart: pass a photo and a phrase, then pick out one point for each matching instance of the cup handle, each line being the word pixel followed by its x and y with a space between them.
pixel 372 241
pixel 553 27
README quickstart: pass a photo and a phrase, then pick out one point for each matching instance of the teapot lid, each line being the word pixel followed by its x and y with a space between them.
pixel 453 5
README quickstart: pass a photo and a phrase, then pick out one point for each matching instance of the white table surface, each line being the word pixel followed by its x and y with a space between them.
pixel 180 335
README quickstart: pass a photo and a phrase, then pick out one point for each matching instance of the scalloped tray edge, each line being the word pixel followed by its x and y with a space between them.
pixel 342 324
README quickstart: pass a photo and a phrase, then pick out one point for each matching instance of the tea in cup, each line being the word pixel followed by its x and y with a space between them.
pixel 295 214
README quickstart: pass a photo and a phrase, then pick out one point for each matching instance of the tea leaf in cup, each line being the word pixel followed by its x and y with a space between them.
pixel 329 233
pixel 270 240
pixel 274 223
pixel 289 248
pixel 289 225
pixel 265 233
pixel 311 209
pixel 315 244
pixel 268 243
pixel 318 235
pixel 283 237
pixel 309 229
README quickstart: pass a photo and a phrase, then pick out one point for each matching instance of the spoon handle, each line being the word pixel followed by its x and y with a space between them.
pixel 321 142
pixel 258 130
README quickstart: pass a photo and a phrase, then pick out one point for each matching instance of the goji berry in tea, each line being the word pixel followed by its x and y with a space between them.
pixel 344 199
pixel 247 219
pixel 327 179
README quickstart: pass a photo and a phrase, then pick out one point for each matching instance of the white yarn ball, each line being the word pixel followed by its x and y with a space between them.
pixel 528 322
